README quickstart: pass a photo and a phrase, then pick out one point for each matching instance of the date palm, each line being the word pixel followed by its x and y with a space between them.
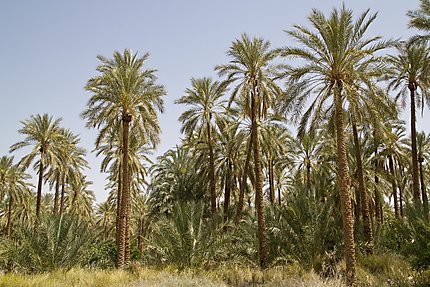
pixel 251 69
pixel 205 114
pixel 14 185
pixel 336 57
pixel 126 94
pixel 420 19
pixel 410 75
pixel 423 147
pixel 42 133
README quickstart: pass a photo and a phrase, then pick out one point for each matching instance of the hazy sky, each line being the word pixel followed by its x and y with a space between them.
pixel 48 51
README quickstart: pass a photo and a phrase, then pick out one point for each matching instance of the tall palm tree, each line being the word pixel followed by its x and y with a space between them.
pixel 410 74
pixel 125 94
pixel 205 114
pixel 42 132
pixel 251 69
pixel 336 57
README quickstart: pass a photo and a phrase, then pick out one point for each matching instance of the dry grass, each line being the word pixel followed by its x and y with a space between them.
pixel 147 277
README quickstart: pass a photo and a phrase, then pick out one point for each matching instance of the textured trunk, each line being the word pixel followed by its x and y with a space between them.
pixel 243 180
pixel 63 183
pixel 211 170
pixel 105 228
pixel 415 183
pixel 9 217
pixel 423 190
pixel 343 185
pixel 364 202
pixel 127 224
pixel 393 185
pixel 140 237
pixel 227 190
pixel 118 207
pixel 271 183
pixel 378 204
pixel 125 197
pixel 400 170
pixel 259 200
pixel 39 195
pixel 57 193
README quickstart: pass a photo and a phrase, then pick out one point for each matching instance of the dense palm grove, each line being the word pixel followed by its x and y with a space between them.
pixel 294 155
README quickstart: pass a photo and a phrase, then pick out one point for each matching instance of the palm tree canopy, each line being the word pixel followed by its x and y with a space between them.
pixel 42 133
pixel 207 105
pixel 125 89
pixel 335 54
pixel 251 66
pixel 410 68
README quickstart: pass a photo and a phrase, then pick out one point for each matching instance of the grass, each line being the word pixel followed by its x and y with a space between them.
pixel 376 270
pixel 149 277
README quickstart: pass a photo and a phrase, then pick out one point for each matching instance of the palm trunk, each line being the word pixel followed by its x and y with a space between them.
pixel 125 198
pixel 118 207
pixel 271 183
pixel 9 218
pixel 227 190
pixel 63 183
pixel 259 203
pixel 393 185
pixel 140 237
pixel 39 195
pixel 127 226
pixel 343 185
pixel 243 181
pixel 415 183
pixel 364 202
pixel 400 170
pixel 378 203
pixel 211 170
pixel 279 195
pixel 57 193
pixel 423 190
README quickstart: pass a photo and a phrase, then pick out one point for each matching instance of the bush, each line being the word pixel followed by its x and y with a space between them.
pixel 61 242
pixel 409 236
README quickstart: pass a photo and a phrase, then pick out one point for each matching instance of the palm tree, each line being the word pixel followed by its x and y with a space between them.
pixel 337 57
pixel 423 146
pixel 80 199
pixel 42 132
pixel 251 66
pixel 124 93
pixel 229 144
pixel 410 75
pixel 105 218
pixel 420 19
pixel 13 183
pixel 207 105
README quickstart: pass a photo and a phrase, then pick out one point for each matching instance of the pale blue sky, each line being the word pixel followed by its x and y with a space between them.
pixel 48 51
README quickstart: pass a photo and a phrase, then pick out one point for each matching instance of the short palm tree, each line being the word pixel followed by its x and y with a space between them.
pixel 124 93
pixel 251 68
pixel 205 114
pixel 410 75
pixel 423 147
pixel 14 185
pixel 336 57
pixel 42 133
